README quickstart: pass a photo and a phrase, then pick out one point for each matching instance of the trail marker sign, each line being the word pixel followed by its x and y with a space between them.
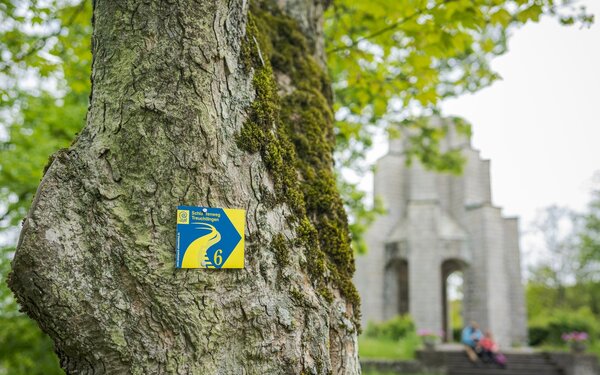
pixel 210 237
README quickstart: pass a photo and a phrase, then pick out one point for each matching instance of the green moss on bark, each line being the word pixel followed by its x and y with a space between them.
pixel 293 132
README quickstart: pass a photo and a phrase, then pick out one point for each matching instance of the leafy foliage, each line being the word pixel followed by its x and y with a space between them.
pixel 392 339
pixel 24 349
pixel 45 90
pixel 556 229
pixel 393 329
pixel 589 239
pixel 564 293
pixel 44 75
pixel 549 329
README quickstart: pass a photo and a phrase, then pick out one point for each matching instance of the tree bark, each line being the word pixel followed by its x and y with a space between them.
pixel 177 116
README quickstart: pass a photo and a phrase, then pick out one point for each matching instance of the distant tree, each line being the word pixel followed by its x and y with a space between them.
pixel 589 242
pixel 556 228
pixel 44 90
pixel 589 238
pixel 570 245
pixel 565 277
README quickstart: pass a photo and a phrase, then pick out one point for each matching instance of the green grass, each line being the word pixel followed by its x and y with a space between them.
pixel 594 348
pixel 380 348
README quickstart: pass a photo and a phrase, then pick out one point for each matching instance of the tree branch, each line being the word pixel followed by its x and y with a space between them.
pixel 388 28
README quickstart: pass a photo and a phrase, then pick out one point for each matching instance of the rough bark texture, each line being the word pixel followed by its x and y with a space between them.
pixel 190 106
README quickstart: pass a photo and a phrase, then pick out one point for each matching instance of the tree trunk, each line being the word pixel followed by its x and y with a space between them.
pixel 208 103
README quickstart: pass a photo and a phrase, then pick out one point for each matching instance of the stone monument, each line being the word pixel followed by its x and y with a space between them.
pixel 437 224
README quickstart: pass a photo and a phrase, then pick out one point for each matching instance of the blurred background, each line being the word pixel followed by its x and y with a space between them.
pixel 534 111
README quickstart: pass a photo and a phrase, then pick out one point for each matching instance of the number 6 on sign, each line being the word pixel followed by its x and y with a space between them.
pixel 218 259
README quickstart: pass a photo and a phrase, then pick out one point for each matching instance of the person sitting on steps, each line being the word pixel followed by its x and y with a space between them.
pixel 471 335
pixel 490 352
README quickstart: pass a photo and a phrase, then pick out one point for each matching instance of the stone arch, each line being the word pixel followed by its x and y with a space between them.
pixel 449 267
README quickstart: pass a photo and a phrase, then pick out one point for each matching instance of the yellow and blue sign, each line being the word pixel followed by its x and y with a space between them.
pixel 210 237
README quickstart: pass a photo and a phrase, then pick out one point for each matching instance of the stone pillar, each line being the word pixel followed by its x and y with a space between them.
pixel 370 276
pixel 424 262
pixel 516 294
pixel 489 282
pixel 475 282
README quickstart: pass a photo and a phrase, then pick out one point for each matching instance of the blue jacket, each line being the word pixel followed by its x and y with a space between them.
pixel 470 335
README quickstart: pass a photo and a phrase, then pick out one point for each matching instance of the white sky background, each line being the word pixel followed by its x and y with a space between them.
pixel 540 124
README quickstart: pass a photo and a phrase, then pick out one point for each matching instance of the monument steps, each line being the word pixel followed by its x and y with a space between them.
pixel 517 364
pixel 451 359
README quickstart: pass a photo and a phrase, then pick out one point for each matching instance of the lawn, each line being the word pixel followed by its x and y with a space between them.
pixel 380 348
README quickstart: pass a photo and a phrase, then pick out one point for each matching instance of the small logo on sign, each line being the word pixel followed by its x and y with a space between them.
pixel 183 217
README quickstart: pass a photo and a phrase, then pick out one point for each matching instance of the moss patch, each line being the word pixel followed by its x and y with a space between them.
pixel 293 132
